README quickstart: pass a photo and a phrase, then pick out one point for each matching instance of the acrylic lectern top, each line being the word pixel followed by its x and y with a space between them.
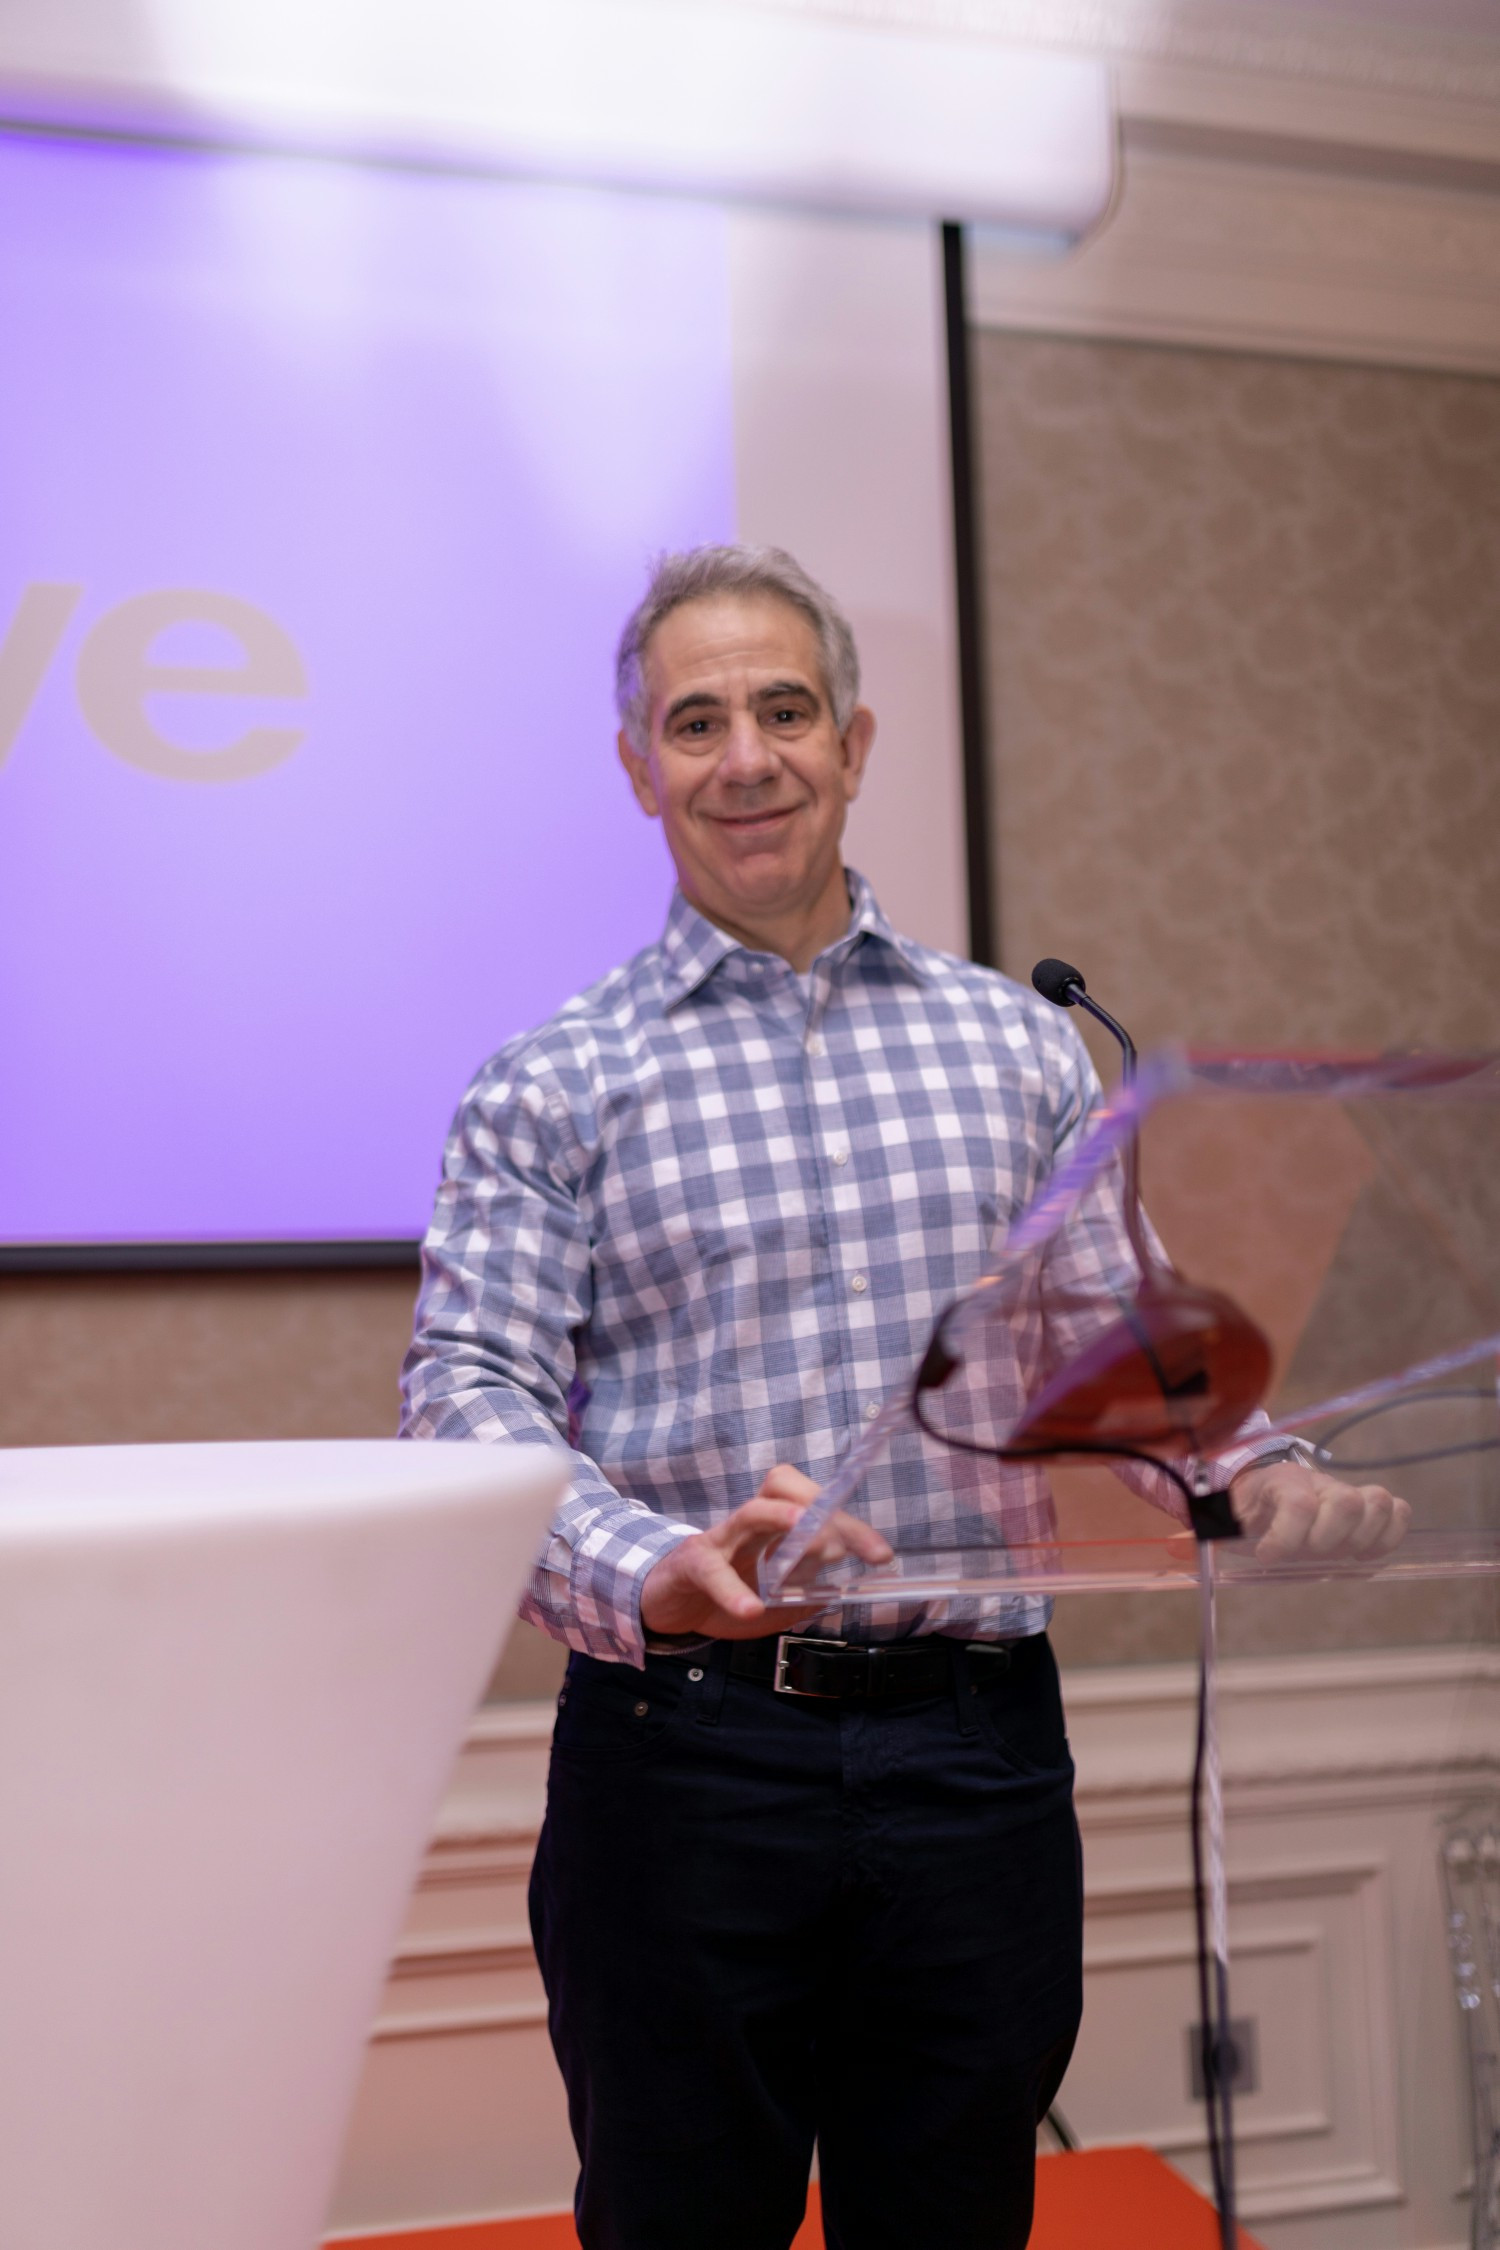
pixel 1285 1251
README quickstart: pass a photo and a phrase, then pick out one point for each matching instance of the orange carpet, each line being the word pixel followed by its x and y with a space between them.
pixel 530 2234
pixel 1121 2199
pixel 1099 2199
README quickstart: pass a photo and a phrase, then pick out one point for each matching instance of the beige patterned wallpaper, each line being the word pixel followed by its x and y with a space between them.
pixel 1244 642
pixel 1244 660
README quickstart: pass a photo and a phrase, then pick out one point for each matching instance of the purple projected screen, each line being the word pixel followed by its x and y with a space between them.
pixel 325 492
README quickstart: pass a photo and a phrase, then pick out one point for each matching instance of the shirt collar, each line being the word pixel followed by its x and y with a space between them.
pixel 692 947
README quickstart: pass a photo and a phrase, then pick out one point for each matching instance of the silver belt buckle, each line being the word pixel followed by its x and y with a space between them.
pixel 781 1685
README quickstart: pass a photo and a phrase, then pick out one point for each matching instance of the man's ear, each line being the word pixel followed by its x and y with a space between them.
pixel 638 766
pixel 859 738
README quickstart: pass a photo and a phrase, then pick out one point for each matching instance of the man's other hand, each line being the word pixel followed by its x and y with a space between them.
pixel 1297 1514
pixel 706 1585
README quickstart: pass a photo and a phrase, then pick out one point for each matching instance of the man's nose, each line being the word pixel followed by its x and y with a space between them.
pixel 748 758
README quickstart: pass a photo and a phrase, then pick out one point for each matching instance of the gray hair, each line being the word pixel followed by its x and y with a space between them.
pixel 705 571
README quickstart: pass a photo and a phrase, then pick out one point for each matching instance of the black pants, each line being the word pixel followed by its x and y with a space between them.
pixel 766 1922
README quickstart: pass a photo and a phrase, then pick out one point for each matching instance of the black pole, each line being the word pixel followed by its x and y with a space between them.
pixel 983 930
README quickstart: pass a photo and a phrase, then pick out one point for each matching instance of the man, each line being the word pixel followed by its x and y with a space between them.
pixel 724 1195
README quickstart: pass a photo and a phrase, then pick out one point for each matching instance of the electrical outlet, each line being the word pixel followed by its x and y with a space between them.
pixel 1245 2045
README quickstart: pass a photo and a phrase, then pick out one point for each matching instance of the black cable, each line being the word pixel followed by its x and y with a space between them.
pixel 1212 2000
pixel 1414 1460
pixel 1061 2130
pixel 1082 1449
pixel 1407 1398
pixel 1405 1460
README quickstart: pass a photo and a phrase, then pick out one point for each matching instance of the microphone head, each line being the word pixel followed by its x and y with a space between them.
pixel 1059 982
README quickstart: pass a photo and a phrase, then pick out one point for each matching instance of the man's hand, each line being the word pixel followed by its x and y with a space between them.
pixel 1297 1514
pixel 706 1584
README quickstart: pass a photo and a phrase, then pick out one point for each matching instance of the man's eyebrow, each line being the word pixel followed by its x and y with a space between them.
pixel 699 700
pixel 786 687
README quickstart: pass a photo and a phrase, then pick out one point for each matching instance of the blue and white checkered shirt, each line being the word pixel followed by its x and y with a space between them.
pixel 731 1201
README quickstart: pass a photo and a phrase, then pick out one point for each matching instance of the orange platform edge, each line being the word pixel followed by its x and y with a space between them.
pixel 1097 2199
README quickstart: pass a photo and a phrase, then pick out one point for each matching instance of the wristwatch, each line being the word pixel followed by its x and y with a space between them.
pixel 1284 1449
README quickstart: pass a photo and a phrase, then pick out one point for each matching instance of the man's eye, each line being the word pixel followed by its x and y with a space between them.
pixel 788 715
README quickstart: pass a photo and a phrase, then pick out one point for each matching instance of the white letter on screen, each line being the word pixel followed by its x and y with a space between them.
pixel 116 675
pixel 40 622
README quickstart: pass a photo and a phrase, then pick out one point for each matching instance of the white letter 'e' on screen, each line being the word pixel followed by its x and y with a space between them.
pixel 116 675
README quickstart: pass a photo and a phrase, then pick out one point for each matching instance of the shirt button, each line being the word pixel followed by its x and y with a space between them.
pixel 695 1672
pixel 641 1709
pixel 858 1284
pixel 841 1156
pixel 872 1410
pixel 814 1044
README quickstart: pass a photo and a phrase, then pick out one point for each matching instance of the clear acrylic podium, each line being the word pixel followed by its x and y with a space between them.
pixel 1319 1274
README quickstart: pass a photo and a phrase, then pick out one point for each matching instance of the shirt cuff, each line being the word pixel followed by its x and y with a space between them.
pixel 610 1567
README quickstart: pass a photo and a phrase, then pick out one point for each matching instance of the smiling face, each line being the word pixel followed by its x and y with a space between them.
pixel 747 771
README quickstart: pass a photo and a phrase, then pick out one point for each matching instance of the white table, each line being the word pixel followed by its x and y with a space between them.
pixel 232 1682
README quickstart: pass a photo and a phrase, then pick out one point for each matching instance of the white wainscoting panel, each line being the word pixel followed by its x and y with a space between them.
pixel 461 2112
pixel 1339 1769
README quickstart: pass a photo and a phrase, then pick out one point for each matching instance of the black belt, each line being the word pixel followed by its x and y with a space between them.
pixel 875 1671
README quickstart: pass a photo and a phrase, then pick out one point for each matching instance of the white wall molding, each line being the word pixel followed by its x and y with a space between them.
pixel 1422 58
pixel 460 2023
pixel 1269 257
pixel 493 1804
pixel 1316 1877
pixel 1369 1715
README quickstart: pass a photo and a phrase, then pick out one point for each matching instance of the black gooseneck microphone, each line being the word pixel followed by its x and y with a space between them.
pixel 1063 985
